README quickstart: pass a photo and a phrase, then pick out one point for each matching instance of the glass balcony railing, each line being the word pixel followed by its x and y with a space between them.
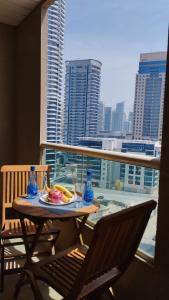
pixel 115 186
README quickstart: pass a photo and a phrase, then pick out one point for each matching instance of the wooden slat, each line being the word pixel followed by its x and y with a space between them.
pixel 22 168
pixel 8 188
pixel 19 184
pixel 27 177
pixel 23 183
pixel 12 186
pixel 39 176
pixel 4 199
pixel 16 185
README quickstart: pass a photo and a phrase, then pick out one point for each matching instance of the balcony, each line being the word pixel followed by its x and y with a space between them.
pixel 112 186
pixel 69 169
pixel 23 97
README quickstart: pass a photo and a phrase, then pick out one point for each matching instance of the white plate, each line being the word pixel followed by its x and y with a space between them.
pixel 44 200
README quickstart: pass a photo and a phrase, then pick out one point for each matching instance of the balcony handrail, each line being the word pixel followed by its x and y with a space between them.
pixel 127 158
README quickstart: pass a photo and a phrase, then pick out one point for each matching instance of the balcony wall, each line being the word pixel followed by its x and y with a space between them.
pixel 28 57
pixel 22 86
pixel 23 77
pixel 7 92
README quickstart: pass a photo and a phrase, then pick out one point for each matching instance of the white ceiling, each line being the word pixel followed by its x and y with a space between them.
pixel 12 12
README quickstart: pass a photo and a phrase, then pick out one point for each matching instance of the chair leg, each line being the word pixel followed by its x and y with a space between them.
pixel 106 295
pixel 53 243
pixel 2 250
pixel 34 285
pixel 19 285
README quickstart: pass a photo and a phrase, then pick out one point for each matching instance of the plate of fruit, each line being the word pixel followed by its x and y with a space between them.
pixel 58 195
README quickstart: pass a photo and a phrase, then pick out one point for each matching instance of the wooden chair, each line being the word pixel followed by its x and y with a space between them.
pixel 15 180
pixel 80 272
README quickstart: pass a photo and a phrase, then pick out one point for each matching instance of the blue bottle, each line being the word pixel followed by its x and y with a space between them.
pixel 88 194
pixel 32 188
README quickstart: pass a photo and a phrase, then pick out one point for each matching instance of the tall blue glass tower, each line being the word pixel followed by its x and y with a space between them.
pixel 149 96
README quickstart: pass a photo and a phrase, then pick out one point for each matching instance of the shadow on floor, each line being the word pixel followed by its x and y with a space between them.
pixel 26 291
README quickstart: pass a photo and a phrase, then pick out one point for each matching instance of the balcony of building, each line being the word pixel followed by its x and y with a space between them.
pixel 23 98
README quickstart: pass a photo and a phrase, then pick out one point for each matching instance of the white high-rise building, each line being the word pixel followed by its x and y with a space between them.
pixel 149 96
pixel 55 68
pixel 82 92
pixel 56 15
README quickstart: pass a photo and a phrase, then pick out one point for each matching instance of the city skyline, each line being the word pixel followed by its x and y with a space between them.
pixel 104 38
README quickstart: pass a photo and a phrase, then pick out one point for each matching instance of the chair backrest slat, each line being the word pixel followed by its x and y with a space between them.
pixel 16 184
pixel 12 186
pixel 23 183
pixel 15 180
pixel 19 184
pixel 115 241
pixel 8 188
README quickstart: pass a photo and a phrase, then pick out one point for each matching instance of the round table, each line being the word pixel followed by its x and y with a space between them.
pixel 30 208
pixel 39 213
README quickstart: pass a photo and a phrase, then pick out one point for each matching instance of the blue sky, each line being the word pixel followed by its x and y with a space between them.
pixel 115 32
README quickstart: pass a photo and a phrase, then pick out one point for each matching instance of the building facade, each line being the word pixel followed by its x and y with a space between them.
pixel 101 117
pixel 107 118
pixel 82 92
pixel 118 119
pixel 136 178
pixel 149 96
pixel 56 16
pixel 105 172
pixel 127 124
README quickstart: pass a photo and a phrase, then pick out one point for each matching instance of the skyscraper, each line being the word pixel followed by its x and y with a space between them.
pixel 107 118
pixel 100 117
pixel 149 96
pixel 130 119
pixel 55 67
pixel 127 124
pixel 82 92
pixel 117 118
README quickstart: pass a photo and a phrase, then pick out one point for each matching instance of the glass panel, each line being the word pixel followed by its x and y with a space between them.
pixel 114 186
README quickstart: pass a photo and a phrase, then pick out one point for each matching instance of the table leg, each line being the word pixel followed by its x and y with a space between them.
pixel 29 250
pixel 79 227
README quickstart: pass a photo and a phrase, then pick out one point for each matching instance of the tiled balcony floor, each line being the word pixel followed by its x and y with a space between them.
pixel 26 292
